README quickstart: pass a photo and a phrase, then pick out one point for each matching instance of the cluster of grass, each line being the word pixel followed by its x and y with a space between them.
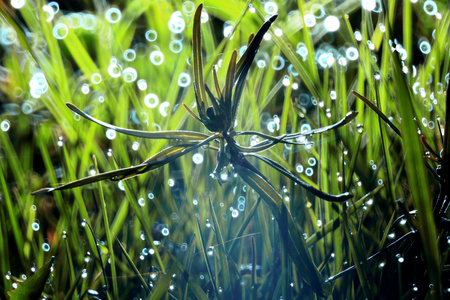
pixel 176 232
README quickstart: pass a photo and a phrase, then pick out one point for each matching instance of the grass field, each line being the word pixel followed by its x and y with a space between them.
pixel 179 233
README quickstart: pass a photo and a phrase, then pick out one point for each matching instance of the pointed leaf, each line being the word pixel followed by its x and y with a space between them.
pixel 33 287
pixel 197 61
pixel 229 83
pixel 174 135
pixel 347 119
pixel 159 159
pixel 335 198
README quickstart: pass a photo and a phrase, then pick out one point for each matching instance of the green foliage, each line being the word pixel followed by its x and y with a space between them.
pixel 327 210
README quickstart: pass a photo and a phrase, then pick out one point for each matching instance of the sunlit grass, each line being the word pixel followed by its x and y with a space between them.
pixel 176 231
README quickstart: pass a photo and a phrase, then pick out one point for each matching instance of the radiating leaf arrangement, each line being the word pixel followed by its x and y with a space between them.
pixel 219 118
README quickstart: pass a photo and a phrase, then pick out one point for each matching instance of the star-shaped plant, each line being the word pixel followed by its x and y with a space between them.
pixel 219 118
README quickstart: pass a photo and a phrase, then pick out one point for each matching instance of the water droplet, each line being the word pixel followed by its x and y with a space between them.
pixel 111 134
pixel 360 128
pixel 171 182
pixel 46 247
pixel 332 23
pixel 197 158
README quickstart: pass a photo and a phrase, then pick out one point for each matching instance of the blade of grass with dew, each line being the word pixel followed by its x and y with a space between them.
pixel 227 288
pixel 133 266
pixel 205 257
pixel 298 252
pixel 416 174
pixel 109 240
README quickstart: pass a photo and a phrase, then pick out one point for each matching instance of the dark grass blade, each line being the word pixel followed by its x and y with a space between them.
pixel 334 198
pixel 247 58
pixel 297 246
pixel 244 63
pixel 229 83
pixel 33 287
pixel 133 266
pixel 213 100
pixel 174 135
pixel 378 112
pixel 217 86
pixel 198 63
pixel 161 158
pixel 347 119
pixel 75 283
pixel 446 144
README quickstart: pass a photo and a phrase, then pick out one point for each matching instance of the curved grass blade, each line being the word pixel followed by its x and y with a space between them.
pixel 169 135
pixel 334 198
pixel 133 266
pixel 378 112
pixel 161 158
pixel 197 62
pixel 99 253
pixel 347 119
pixel 297 247
pixel 244 63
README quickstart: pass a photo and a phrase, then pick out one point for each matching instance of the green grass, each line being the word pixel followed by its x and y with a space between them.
pixel 247 238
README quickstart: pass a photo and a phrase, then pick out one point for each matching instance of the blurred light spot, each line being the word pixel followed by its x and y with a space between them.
pixel 156 57
pixel 111 134
pixel 151 35
pixel 197 158
pixel 270 8
pixel 60 31
pixel 176 46
pixel 96 78
pixel 17 4
pixel 113 15
pixel 331 23
pixel 129 55
pixel 151 100
pixel 162 108
pixel 309 20
pixel 129 74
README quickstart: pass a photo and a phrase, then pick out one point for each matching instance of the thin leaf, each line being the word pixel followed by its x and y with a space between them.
pixel 378 112
pixel 229 83
pixel 170 135
pixel 161 158
pixel 133 266
pixel 197 62
pixel 347 119
pixel 334 198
